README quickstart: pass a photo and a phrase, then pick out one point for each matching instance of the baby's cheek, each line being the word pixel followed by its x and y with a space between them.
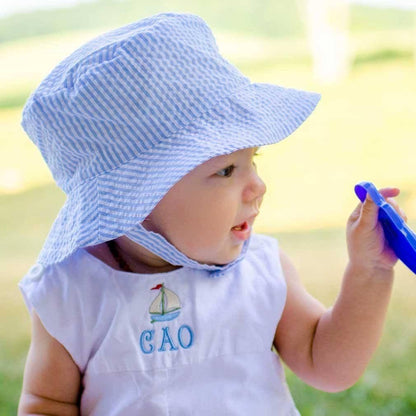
pixel 201 242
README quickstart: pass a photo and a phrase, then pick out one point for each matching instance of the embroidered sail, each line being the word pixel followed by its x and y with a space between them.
pixel 166 306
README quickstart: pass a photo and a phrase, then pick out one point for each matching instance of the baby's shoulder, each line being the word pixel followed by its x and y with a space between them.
pixel 71 298
pixel 74 281
pixel 80 267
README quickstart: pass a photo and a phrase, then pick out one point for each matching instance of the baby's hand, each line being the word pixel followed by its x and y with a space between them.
pixel 367 247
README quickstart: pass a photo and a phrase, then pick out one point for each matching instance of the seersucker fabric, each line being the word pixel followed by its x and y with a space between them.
pixel 128 114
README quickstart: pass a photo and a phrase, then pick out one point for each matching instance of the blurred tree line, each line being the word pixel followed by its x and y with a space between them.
pixel 261 17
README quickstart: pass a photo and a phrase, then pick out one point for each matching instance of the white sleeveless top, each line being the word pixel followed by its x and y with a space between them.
pixel 177 343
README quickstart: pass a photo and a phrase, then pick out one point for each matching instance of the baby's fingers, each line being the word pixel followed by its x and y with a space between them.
pixel 389 192
pixel 397 208
pixel 367 212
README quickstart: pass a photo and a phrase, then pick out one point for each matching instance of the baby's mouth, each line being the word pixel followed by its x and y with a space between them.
pixel 241 227
pixel 245 224
pixel 241 231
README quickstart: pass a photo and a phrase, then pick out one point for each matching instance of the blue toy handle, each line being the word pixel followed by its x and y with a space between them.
pixel 362 188
pixel 386 212
pixel 399 236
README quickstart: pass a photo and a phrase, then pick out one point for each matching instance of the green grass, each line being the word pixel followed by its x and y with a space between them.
pixel 25 219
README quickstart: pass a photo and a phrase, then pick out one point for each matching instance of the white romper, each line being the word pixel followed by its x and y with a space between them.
pixel 177 343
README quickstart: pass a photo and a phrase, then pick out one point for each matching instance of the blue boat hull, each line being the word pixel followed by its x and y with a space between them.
pixel 166 317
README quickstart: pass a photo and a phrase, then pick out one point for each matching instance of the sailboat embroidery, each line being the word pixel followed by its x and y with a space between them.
pixel 166 306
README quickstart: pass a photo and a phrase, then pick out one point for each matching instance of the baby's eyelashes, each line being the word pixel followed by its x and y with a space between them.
pixel 226 172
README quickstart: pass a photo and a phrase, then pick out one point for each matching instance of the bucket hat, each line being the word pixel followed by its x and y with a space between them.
pixel 128 114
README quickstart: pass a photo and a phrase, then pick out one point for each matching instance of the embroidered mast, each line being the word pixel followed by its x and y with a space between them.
pixel 166 305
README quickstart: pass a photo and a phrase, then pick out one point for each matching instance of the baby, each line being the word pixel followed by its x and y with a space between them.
pixel 151 295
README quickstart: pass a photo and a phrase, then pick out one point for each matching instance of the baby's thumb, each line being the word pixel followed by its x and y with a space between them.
pixel 369 213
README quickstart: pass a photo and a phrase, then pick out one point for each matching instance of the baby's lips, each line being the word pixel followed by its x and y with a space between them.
pixel 243 226
pixel 248 222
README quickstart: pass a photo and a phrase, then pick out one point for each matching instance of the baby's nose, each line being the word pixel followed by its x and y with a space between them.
pixel 256 189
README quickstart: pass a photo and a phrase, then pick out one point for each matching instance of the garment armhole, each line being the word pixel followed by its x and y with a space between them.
pixel 270 255
pixel 270 251
pixel 52 302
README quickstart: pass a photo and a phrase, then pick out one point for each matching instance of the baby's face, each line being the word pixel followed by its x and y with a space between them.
pixel 199 212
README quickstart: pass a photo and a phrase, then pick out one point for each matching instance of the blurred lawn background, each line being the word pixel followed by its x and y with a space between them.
pixel 363 129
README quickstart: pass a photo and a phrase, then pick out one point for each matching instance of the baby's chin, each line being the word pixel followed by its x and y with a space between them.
pixel 221 259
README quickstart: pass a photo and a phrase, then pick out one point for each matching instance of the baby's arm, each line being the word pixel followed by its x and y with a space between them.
pixel 330 349
pixel 51 383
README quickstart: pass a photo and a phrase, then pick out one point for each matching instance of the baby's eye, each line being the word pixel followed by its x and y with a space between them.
pixel 227 172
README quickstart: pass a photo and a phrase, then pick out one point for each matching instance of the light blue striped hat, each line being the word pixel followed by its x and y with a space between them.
pixel 127 115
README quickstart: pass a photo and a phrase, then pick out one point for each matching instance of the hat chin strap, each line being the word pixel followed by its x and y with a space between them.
pixel 158 245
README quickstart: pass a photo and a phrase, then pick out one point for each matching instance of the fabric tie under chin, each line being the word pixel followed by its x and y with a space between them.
pixel 158 245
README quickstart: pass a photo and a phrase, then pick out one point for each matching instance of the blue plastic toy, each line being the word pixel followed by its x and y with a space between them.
pixel 399 236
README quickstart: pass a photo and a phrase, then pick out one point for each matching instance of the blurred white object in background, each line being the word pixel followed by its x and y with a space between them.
pixel 327 28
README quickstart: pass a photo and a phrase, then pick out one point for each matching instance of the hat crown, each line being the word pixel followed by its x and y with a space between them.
pixel 125 92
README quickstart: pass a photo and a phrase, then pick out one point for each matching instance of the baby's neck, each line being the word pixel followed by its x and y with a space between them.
pixel 125 255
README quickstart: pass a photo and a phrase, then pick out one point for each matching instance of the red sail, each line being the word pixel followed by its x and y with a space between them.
pixel 159 286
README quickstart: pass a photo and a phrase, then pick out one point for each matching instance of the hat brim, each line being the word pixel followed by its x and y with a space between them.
pixel 112 203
